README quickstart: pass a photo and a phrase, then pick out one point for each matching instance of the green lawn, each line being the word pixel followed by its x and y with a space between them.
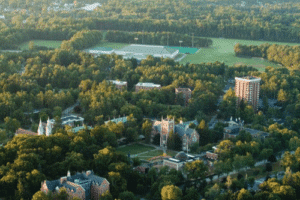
pixel 135 148
pixel 47 43
pixel 222 51
pixel 111 45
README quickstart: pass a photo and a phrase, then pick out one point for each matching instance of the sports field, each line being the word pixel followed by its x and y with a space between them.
pixel 47 43
pixel 222 51
pixel 187 50
pixel 110 45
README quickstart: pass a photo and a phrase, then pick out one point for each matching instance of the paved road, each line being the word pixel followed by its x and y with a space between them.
pixel 69 109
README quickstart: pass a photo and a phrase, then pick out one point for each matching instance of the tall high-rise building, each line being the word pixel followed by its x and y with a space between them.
pixel 247 88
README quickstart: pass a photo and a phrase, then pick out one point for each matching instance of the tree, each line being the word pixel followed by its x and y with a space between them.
pixel 117 183
pixel 294 143
pixel 171 192
pixel 126 196
pixel 244 195
pixel 40 196
pixel 191 193
pixel 213 192
pixel 195 169
pixel 223 166
pixel 146 129
pixel 244 136
pixel 106 196
pixel 11 125
pixel 266 153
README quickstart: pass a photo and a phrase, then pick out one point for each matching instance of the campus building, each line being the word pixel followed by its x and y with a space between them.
pixel 146 86
pixel 119 84
pixel 46 128
pixel 165 126
pixel 247 88
pixel 83 185
pixel 236 125
pixel 179 160
pixel 186 93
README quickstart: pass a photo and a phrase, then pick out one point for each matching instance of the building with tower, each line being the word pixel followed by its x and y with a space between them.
pixel 165 126
pixel 83 185
pixel 247 88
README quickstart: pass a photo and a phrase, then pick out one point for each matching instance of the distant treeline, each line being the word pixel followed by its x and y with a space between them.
pixel 11 38
pixel 157 38
pixel 82 39
pixel 289 56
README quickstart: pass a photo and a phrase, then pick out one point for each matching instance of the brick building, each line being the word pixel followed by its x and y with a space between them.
pixel 83 185
pixel 146 86
pixel 121 85
pixel 235 126
pixel 186 93
pixel 165 126
pixel 248 88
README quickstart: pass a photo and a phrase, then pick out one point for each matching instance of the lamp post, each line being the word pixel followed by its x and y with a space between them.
pixel 180 41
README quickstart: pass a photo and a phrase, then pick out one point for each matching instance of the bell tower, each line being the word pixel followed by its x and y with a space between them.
pixel 41 128
pixel 167 126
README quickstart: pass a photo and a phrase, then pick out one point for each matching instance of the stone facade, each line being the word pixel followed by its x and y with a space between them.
pixel 165 126
pixel 85 185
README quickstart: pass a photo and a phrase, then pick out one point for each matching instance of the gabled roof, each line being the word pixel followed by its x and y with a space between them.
pixel 79 180
pixel 183 128
pixel 23 131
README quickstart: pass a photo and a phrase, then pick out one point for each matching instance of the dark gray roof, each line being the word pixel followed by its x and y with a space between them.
pixel 52 184
pixel 157 127
pixel 79 178
pixel 233 129
pixel 183 128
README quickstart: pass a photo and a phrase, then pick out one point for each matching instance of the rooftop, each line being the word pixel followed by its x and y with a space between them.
pixel 23 131
pixel 250 78
pixel 118 82
pixel 147 49
pixel 117 120
pixel 183 90
pixel 148 84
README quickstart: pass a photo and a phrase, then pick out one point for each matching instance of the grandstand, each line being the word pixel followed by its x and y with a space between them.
pixel 142 51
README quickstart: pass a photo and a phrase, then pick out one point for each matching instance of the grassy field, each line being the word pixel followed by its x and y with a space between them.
pixel 222 51
pixel 47 43
pixel 135 148
pixel 111 45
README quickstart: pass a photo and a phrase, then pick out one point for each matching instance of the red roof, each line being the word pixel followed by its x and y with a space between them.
pixel 23 131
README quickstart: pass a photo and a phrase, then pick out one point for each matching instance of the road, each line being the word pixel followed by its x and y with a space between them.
pixel 259 163
pixel 69 109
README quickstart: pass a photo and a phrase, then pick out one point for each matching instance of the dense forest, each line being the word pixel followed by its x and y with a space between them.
pixel 48 81
pixel 270 22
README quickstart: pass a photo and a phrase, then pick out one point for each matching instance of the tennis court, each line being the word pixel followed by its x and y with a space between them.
pixel 188 50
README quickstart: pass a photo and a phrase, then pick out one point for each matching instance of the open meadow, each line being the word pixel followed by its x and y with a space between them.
pixel 222 51
pixel 47 43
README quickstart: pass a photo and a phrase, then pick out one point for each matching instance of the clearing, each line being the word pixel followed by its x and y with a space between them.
pixel 222 51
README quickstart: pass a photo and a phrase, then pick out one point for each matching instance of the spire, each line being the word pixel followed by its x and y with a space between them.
pixel 41 128
pixel 48 127
pixel 68 174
